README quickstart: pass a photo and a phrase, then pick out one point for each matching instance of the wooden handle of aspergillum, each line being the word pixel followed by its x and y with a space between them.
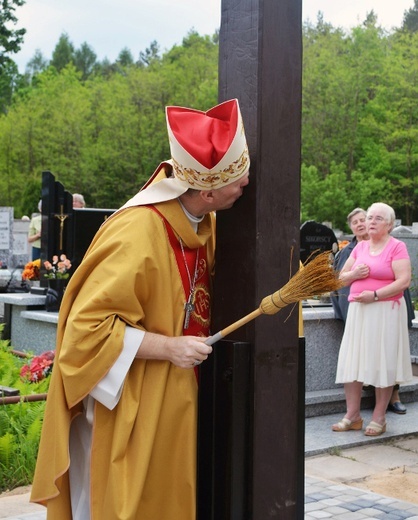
pixel 224 332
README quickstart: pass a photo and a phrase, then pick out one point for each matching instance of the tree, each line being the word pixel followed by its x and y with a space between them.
pixel 340 75
pixel 125 58
pixel 324 105
pixel 192 71
pixel 326 199
pixel 389 132
pixel 104 134
pixel 9 78
pixel 10 39
pixel 63 53
pixel 150 55
pixel 85 60
pixel 36 65
pixel 410 19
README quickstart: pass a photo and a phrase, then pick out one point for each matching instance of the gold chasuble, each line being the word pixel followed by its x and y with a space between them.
pixel 143 452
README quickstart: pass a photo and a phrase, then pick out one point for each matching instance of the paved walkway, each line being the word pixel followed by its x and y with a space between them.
pixel 335 464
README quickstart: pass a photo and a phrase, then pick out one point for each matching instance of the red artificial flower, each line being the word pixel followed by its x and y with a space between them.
pixel 39 367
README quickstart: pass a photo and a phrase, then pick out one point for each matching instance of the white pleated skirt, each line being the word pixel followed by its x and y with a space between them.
pixel 375 345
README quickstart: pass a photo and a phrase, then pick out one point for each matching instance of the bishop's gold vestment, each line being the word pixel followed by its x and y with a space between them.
pixel 143 452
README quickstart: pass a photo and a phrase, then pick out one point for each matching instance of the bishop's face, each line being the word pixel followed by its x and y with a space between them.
pixel 225 197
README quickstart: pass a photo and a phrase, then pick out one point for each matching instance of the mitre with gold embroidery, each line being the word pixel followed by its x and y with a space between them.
pixel 208 151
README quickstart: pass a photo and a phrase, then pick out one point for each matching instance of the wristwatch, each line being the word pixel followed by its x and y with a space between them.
pixel 375 296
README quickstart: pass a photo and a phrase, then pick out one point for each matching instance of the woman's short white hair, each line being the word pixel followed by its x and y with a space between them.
pixel 77 197
pixel 388 211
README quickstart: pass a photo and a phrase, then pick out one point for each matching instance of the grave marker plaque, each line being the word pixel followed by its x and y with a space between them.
pixel 316 237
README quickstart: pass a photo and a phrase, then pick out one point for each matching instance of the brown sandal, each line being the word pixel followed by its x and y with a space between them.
pixel 345 425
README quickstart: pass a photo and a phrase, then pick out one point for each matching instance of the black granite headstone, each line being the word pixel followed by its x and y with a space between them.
pixel 85 222
pixel 316 238
pixel 66 230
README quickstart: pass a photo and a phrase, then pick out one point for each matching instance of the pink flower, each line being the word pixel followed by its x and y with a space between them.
pixel 58 268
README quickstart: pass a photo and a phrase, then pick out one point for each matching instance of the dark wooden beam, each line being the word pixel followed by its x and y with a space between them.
pixel 258 240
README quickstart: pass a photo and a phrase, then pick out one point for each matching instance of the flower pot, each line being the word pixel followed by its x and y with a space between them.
pixel 54 294
pixel 33 284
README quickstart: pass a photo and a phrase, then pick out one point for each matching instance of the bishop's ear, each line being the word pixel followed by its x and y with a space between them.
pixel 206 196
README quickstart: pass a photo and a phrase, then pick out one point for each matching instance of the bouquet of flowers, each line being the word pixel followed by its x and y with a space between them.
pixel 38 368
pixel 58 268
pixel 32 270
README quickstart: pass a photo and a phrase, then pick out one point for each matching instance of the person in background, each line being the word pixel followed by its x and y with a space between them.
pixel 375 345
pixel 34 234
pixel 119 438
pixel 78 201
pixel 356 220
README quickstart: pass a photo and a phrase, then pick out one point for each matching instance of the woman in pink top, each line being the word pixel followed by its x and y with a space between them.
pixel 375 345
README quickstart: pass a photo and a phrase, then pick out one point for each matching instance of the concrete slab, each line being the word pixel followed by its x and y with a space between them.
pixel 388 457
pixel 17 504
pixel 320 439
pixel 410 444
pixel 337 468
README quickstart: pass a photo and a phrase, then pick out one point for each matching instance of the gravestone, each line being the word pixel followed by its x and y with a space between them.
pixel 316 238
pixel 6 235
pixel 85 223
pixel 21 248
pixel 66 230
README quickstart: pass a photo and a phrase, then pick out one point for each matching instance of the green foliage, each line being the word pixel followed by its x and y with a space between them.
pixel 150 55
pixel 20 430
pixel 20 424
pixel 63 54
pixel 325 199
pixel 100 127
pixel 9 81
pixel 85 60
pixel 333 197
pixel 36 64
pixel 360 113
pixel 10 38
pixel 410 20
pixel 125 58
pixel 100 134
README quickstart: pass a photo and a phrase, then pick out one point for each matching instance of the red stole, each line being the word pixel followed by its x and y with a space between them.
pixel 199 323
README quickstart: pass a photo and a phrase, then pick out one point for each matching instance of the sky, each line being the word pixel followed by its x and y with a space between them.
pixel 109 26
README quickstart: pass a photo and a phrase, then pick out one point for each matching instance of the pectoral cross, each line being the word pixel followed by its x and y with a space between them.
pixel 61 217
pixel 189 308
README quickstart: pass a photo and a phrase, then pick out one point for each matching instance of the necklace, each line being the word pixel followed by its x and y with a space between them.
pixel 377 249
pixel 189 305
